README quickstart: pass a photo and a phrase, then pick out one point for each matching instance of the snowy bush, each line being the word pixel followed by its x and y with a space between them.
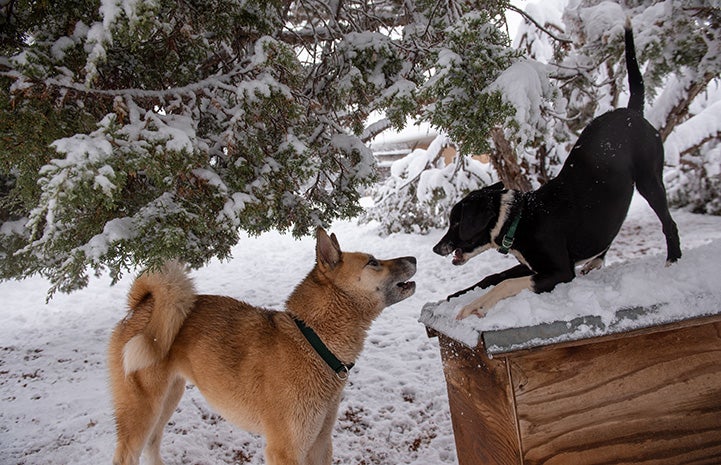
pixel 526 105
pixel 421 189
pixel 696 183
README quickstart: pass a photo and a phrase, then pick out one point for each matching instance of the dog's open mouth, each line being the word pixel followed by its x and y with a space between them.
pixel 407 287
pixel 399 285
pixel 458 257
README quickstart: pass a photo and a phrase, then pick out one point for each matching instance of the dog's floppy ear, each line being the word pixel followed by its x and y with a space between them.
pixel 474 219
pixel 327 250
pixel 477 211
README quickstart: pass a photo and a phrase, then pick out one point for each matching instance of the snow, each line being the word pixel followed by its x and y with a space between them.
pixel 526 87
pixel 602 21
pixel 77 149
pixel 100 34
pixel 114 230
pixel 56 407
pixel 59 47
pixel 411 133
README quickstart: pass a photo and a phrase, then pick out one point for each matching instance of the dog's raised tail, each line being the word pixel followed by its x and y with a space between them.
pixel 171 294
pixel 635 79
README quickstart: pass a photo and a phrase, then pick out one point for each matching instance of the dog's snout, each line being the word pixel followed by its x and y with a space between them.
pixel 408 264
pixel 443 248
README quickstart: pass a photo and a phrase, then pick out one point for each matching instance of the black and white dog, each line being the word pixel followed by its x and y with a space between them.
pixel 572 219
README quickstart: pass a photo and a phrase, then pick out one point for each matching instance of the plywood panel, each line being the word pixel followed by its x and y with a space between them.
pixel 651 398
pixel 481 404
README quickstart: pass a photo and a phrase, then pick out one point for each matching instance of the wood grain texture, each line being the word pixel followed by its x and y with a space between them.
pixel 481 404
pixel 651 398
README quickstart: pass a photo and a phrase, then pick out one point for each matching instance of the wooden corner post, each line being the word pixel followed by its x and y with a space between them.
pixel 481 403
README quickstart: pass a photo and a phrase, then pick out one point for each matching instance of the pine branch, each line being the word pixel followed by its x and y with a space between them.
pixel 139 93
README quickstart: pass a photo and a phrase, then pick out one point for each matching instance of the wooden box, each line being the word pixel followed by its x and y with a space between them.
pixel 650 396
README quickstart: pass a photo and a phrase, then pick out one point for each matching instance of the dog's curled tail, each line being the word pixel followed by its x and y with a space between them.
pixel 173 296
pixel 635 79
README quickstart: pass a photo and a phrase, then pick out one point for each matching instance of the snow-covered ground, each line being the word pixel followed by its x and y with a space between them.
pixel 55 406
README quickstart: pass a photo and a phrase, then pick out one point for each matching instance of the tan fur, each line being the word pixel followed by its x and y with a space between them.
pixel 503 290
pixel 252 365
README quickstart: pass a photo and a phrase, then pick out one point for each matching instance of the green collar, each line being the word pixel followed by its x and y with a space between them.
pixel 341 369
pixel 507 241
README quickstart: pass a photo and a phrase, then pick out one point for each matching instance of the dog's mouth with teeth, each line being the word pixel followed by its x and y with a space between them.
pixel 407 286
pixel 399 285
pixel 458 257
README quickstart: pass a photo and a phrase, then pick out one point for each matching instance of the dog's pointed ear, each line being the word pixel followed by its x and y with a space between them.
pixel 327 250
pixel 335 241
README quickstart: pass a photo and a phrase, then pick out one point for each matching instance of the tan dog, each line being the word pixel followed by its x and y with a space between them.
pixel 254 366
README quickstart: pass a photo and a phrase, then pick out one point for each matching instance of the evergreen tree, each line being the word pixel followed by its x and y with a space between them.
pixel 133 131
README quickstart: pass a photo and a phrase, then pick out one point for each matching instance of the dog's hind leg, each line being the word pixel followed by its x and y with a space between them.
pixel 596 263
pixel 175 393
pixel 138 400
pixel 652 189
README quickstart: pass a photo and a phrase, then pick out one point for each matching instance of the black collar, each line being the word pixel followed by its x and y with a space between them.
pixel 341 369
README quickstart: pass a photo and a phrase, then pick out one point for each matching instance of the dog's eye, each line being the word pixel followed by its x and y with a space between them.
pixel 373 262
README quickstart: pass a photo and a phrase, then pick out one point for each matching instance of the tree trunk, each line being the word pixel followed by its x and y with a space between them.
pixel 506 163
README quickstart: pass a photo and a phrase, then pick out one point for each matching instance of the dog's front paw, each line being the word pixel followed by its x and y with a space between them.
pixel 469 310
pixel 478 307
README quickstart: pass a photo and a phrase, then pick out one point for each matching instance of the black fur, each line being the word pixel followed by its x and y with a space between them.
pixel 575 216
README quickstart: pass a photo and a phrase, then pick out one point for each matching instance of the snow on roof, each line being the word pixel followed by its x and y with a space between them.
pixel 409 136
pixel 622 297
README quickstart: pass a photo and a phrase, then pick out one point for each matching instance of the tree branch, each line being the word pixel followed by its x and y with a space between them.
pixel 680 110
pixel 693 148
pixel 374 129
pixel 530 19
